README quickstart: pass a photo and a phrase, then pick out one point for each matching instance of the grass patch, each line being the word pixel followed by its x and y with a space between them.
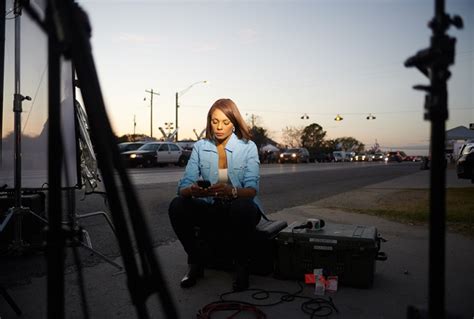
pixel 412 206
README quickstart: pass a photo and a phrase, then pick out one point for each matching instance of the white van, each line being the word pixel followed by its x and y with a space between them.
pixel 343 156
pixel 339 156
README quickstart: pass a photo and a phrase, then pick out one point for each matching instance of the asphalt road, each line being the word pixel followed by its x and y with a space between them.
pixel 281 186
pixel 402 281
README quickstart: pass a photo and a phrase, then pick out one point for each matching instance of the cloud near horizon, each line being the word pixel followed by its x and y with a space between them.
pixel 206 47
pixel 248 35
pixel 134 38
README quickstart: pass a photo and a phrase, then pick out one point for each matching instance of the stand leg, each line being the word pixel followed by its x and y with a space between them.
pixel 102 256
pixel 15 215
pixel 79 216
pixel 87 238
pixel 10 301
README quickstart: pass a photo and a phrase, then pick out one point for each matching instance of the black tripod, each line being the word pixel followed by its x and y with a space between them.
pixel 16 213
pixel 68 32
pixel 434 63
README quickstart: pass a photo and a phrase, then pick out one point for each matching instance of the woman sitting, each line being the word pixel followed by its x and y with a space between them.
pixel 228 159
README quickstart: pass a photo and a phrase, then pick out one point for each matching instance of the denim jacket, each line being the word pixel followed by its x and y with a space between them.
pixel 242 165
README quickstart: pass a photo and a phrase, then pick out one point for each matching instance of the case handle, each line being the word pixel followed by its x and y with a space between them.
pixel 382 256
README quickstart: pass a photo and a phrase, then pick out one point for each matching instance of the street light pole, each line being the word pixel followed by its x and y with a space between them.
pixel 134 125
pixel 151 109
pixel 176 119
pixel 181 93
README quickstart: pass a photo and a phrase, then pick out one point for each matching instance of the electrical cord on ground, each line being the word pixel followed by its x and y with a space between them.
pixel 315 307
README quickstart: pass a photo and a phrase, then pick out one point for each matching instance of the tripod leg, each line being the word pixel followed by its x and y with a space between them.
pixel 10 301
pixel 79 216
pixel 87 238
pixel 5 221
pixel 102 256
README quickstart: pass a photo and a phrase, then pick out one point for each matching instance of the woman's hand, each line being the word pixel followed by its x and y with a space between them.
pixel 220 190
pixel 197 191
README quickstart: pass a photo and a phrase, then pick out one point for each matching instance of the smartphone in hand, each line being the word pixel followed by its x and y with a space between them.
pixel 204 184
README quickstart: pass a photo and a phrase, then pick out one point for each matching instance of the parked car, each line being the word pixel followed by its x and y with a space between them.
pixel 361 157
pixel 465 163
pixel 321 157
pixel 129 146
pixel 342 156
pixel 397 156
pixel 377 157
pixel 156 153
pixel 295 155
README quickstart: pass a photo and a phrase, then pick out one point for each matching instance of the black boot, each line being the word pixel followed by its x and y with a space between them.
pixel 241 281
pixel 195 271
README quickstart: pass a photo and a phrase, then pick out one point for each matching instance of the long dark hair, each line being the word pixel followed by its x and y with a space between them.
pixel 228 107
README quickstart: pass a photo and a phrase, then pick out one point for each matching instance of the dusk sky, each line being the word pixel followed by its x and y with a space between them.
pixel 277 60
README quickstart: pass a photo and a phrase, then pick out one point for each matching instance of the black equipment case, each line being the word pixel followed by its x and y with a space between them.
pixel 262 260
pixel 346 251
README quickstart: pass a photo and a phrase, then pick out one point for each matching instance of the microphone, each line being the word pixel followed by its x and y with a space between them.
pixel 307 225
pixel 312 224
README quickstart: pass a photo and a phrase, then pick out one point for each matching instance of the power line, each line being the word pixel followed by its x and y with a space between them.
pixel 332 113
pixel 34 99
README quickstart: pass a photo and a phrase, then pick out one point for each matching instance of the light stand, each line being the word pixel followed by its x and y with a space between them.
pixel 68 30
pixel 17 212
pixel 434 62
pixel 81 236
pixel 90 176
pixel 2 71
pixel 3 291
pixel 17 109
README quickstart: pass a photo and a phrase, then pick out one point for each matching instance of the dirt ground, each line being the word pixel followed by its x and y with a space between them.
pixel 368 198
pixel 409 206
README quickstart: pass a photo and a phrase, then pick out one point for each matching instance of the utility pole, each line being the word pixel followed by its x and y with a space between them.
pixel 176 121
pixel 151 109
pixel 178 94
pixel 134 125
pixel 253 117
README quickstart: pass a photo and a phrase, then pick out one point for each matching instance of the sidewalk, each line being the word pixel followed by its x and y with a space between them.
pixel 399 281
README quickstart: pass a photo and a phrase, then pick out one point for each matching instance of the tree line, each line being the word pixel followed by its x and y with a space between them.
pixel 312 137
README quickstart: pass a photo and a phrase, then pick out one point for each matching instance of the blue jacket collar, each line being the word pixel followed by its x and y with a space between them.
pixel 232 143
pixel 230 146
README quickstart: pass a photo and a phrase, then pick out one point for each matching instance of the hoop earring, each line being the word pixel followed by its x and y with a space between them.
pixel 233 129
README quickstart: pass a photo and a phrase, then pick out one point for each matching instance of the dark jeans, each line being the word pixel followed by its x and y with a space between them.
pixel 234 221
